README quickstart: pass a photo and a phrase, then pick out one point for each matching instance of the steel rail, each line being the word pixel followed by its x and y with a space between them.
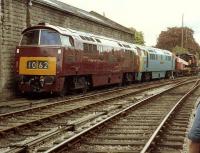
pixel 79 98
pixel 164 121
pixel 28 104
pixel 133 106
pixel 72 109
pixel 20 148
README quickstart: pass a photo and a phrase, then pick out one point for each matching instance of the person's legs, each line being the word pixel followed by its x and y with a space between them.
pixel 194 147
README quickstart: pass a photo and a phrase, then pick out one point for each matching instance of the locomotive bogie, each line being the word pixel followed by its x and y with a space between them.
pixel 31 83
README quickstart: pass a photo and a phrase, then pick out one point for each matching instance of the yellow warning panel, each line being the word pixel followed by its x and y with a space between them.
pixel 37 66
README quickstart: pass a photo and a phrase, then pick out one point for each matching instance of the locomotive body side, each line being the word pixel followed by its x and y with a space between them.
pixel 54 59
pixel 97 61
pixel 155 63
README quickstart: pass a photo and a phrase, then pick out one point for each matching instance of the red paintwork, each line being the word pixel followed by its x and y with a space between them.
pixel 192 60
pixel 31 51
pixel 106 67
pixel 76 62
pixel 179 65
pixel 99 65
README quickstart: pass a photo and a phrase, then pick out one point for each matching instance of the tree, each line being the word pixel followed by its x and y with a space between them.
pixel 179 50
pixel 171 40
pixel 138 37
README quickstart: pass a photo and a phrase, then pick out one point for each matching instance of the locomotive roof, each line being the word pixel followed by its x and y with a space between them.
pixel 153 50
pixel 97 39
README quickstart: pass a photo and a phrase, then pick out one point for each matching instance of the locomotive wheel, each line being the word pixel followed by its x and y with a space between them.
pixel 167 75
pixel 120 84
pixel 64 91
pixel 127 79
pixel 85 87
pixel 143 79
pixel 146 77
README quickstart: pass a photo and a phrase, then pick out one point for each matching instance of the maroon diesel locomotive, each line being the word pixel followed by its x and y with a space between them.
pixel 54 59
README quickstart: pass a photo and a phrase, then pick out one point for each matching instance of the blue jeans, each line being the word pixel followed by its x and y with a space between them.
pixel 194 134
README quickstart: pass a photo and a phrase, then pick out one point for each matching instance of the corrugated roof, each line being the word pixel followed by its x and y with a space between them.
pixel 93 16
pixel 104 18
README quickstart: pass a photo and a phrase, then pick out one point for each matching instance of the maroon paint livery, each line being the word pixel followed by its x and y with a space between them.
pixel 80 65
pixel 54 59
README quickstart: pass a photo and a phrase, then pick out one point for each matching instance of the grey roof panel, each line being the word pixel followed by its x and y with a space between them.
pixel 92 16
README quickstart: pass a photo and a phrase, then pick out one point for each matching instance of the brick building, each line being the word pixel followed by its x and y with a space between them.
pixel 19 14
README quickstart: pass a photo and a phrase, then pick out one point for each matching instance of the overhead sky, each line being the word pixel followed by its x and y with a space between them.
pixel 149 16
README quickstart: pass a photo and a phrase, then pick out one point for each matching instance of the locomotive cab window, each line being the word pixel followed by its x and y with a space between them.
pixel 67 41
pixel 30 38
pixel 50 37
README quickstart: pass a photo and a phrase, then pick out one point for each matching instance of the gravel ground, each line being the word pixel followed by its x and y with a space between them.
pixel 186 141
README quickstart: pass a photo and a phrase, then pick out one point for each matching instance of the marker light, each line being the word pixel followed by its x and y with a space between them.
pixel 59 51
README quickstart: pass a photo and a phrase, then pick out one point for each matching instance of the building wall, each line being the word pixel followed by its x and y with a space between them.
pixel 12 22
pixel 0 43
pixel 41 13
pixel 17 15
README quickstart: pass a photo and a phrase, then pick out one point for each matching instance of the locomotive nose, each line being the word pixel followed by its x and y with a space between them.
pixel 37 69
pixel 37 66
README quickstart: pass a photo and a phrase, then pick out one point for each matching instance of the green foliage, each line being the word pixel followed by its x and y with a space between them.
pixel 139 36
pixel 179 50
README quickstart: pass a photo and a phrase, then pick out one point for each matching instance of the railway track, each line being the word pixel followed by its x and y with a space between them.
pixel 135 129
pixel 24 103
pixel 28 128
pixel 170 135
